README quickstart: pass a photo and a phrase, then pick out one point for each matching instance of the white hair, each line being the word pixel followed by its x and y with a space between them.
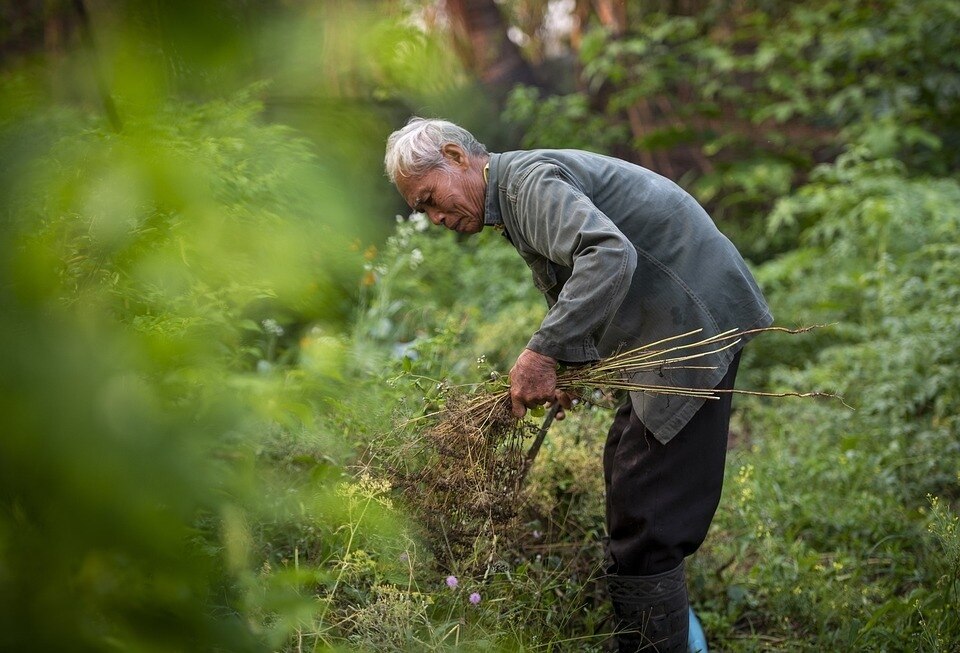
pixel 417 146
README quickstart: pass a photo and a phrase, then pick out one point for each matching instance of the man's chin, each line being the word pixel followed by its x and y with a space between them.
pixel 470 226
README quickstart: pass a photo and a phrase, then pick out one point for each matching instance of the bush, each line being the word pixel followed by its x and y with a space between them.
pixel 822 531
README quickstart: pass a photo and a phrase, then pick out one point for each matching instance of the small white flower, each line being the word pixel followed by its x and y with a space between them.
pixel 416 258
pixel 419 221
pixel 272 327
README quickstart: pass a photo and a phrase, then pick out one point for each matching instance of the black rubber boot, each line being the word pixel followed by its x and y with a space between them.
pixel 651 611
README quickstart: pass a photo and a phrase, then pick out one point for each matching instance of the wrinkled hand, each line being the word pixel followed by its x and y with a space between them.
pixel 533 382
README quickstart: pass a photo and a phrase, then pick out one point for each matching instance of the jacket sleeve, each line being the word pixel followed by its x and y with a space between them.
pixel 561 224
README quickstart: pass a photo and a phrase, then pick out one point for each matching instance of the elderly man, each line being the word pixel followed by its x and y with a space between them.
pixel 624 257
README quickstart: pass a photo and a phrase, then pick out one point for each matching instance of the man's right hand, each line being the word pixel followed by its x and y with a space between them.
pixel 533 382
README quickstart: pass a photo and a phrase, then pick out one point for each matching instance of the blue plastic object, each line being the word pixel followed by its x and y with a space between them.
pixel 696 640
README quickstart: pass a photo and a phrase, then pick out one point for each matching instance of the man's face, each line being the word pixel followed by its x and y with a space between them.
pixel 451 195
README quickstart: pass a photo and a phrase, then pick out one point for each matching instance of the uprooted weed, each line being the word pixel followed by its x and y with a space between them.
pixel 463 473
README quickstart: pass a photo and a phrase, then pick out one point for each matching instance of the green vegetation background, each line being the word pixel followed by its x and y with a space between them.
pixel 208 317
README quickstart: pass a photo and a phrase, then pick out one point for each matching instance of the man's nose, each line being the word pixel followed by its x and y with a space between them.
pixel 436 217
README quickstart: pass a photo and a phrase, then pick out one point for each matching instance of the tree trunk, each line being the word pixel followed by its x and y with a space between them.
pixel 612 15
pixel 481 38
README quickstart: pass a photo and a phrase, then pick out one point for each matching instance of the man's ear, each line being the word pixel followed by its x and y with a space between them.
pixel 455 153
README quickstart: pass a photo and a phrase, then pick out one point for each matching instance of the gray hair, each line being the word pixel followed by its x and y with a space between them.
pixel 416 148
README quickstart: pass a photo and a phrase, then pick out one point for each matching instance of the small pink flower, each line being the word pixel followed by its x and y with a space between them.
pixel 452 582
pixel 475 598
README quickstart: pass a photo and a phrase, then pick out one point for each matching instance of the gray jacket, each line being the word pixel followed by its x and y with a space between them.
pixel 625 257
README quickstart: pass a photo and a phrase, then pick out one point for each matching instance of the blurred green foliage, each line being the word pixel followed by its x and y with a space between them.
pixel 173 307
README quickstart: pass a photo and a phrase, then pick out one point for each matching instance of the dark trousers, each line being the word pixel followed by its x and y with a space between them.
pixel 661 498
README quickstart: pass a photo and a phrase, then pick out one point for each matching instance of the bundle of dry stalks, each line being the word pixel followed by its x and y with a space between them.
pixel 464 472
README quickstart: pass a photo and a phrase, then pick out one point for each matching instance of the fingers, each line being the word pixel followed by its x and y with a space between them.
pixel 521 401
pixel 563 400
pixel 517 407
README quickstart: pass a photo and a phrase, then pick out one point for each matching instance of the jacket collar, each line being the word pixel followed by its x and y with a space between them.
pixel 491 206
